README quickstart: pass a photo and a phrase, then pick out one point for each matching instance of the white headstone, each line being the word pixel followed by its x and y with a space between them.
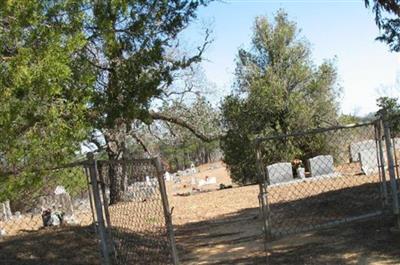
pixel 208 181
pixel 193 168
pixel 60 190
pixel 280 172
pixel 5 213
pixel 356 148
pixel 168 176
pixel 369 161
pixel 17 215
pixel 321 166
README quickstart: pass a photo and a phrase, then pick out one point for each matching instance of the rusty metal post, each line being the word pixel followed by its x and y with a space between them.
pixel 167 211
pixel 99 210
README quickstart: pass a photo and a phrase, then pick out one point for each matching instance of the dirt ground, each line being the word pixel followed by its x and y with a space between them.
pixel 224 227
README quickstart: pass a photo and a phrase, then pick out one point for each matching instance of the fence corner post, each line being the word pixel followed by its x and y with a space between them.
pixel 92 163
pixel 392 174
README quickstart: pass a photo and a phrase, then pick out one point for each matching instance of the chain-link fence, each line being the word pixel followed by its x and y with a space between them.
pixel 135 210
pixel 64 215
pixel 45 212
pixel 322 177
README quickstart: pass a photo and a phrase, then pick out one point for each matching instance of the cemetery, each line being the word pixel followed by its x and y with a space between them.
pixel 195 132
pixel 230 217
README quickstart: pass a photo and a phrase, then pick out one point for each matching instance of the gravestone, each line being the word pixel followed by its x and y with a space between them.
pixel 356 148
pixel 280 172
pixel 168 176
pixel 321 166
pixel 59 201
pixel 369 162
pixel 207 181
pixel 193 168
pixel 5 209
pixel 141 190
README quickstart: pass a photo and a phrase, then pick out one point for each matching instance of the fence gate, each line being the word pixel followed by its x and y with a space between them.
pixel 325 177
pixel 135 228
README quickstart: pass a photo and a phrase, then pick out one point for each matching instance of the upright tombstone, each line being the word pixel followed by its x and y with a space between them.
pixel 59 201
pixel 168 176
pixel 356 148
pixel 193 168
pixel 369 162
pixel 321 166
pixel 5 213
pixel 279 172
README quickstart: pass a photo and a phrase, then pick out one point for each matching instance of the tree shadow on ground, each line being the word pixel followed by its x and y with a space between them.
pixel 51 246
pixel 79 246
pixel 237 238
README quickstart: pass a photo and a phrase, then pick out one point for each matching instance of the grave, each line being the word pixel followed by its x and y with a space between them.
pixel 369 162
pixel 168 176
pixel 321 165
pixel 280 172
pixel 141 190
pixel 356 148
pixel 5 211
pixel 193 168
pixel 207 181
pixel 59 201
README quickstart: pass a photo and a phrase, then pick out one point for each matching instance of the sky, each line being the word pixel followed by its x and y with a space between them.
pixel 344 29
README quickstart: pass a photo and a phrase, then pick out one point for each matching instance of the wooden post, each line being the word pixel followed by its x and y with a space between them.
pixel 167 212
pixel 99 210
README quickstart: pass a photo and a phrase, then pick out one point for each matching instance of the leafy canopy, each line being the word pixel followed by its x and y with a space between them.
pixel 278 90
pixel 387 18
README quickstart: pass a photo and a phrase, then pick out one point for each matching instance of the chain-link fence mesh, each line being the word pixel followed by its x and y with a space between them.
pixel 137 216
pixel 45 212
pixel 322 177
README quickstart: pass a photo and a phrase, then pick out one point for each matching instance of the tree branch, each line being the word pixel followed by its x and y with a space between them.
pixel 183 123
pixel 141 143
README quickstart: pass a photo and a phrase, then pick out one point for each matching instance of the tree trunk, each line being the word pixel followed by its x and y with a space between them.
pixel 116 170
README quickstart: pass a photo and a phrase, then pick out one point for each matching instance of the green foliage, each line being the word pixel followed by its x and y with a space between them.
pixel 178 146
pixel 43 101
pixel 279 90
pixel 387 18
pixel 346 119
pixel 69 68
pixel 389 109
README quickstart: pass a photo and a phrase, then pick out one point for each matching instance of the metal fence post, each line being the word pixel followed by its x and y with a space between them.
pixel 391 166
pixel 167 211
pixel 264 202
pixel 395 159
pixel 99 210
pixel 381 159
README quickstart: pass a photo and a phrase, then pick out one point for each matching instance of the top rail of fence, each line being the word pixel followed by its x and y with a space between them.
pixel 312 131
pixel 37 170
pixel 121 161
